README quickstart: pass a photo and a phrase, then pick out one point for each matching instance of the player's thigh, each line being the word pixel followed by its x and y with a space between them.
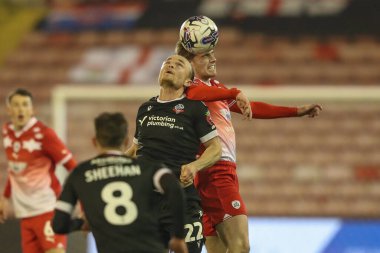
pixel 234 231
pixel 55 251
pixel 47 238
pixel 29 239
pixel 215 245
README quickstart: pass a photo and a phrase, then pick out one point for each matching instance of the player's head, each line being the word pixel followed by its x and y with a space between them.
pixel 111 131
pixel 204 64
pixel 20 107
pixel 176 72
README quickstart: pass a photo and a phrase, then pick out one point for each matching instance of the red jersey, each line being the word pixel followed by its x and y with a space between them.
pixel 221 116
pixel 33 154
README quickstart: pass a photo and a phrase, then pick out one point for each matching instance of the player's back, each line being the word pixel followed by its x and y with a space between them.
pixel 116 194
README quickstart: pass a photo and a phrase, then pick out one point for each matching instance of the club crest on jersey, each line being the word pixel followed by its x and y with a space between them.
pixel 180 108
pixel 149 108
pixel 235 204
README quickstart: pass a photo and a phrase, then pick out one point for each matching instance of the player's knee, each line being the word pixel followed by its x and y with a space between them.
pixel 56 250
pixel 240 246
pixel 245 248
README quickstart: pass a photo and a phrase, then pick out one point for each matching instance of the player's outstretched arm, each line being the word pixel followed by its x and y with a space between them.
pixel 210 156
pixel 311 110
pixel 261 110
pixel 210 93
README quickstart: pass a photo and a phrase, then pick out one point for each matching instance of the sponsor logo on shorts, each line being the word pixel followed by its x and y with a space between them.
pixel 235 204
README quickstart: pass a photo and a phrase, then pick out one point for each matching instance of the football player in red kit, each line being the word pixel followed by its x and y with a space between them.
pixel 33 151
pixel 225 218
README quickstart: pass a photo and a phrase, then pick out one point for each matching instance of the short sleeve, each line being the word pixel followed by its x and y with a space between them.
pixel 204 125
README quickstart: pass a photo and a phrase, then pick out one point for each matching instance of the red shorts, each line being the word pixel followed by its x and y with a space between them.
pixel 218 187
pixel 37 236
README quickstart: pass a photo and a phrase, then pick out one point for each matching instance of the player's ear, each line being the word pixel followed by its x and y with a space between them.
pixel 94 142
pixel 188 83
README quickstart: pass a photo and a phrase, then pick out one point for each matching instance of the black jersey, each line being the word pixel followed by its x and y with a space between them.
pixel 116 193
pixel 172 131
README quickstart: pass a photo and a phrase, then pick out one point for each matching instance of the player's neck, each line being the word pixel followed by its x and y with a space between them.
pixel 167 94
pixel 111 151
pixel 205 80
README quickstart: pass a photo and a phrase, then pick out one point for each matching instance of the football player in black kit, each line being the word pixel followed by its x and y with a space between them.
pixel 116 193
pixel 171 129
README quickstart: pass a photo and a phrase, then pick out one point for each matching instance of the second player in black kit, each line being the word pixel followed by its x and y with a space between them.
pixel 171 129
pixel 116 193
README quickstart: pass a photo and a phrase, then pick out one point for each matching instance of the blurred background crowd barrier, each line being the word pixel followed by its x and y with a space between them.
pixel 279 51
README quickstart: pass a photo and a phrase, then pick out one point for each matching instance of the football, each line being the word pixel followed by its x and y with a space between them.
pixel 198 34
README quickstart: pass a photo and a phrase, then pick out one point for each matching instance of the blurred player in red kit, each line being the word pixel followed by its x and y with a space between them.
pixel 33 151
pixel 225 217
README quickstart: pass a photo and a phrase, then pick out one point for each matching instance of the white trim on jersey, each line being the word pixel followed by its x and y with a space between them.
pixel 65 159
pixel 28 125
pixel 157 176
pixel 168 101
pixel 231 103
pixel 64 206
pixel 209 136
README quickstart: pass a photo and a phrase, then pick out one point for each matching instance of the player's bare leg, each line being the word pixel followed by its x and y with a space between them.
pixel 215 245
pixel 234 233
pixel 55 251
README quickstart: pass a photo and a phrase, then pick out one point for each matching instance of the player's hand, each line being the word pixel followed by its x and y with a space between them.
pixel 244 105
pixel 178 245
pixel 3 210
pixel 188 172
pixel 312 110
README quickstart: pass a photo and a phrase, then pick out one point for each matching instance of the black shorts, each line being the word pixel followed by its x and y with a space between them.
pixel 193 223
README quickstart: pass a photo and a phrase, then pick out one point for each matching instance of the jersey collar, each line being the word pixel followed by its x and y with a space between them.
pixel 208 82
pixel 168 101
pixel 28 125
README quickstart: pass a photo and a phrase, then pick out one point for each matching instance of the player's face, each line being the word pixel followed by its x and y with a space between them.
pixel 175 71
pixel 204 65
pixel 20 110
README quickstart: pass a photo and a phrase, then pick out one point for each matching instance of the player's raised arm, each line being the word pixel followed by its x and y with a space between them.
pixel 210 156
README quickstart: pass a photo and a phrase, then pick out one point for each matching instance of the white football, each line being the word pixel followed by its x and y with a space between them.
pixel 199 34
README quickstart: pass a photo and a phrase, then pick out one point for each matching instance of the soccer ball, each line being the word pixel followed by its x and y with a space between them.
pixel 198 34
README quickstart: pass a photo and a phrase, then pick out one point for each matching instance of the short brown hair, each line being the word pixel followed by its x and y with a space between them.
pixel 20 92
pixel 111 129
pixel 180 50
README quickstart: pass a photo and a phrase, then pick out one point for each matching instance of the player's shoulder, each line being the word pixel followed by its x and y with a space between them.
pixel 42 128
pixel 152 100
pixel 149 102
pixel 194 103
pixel 6 127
